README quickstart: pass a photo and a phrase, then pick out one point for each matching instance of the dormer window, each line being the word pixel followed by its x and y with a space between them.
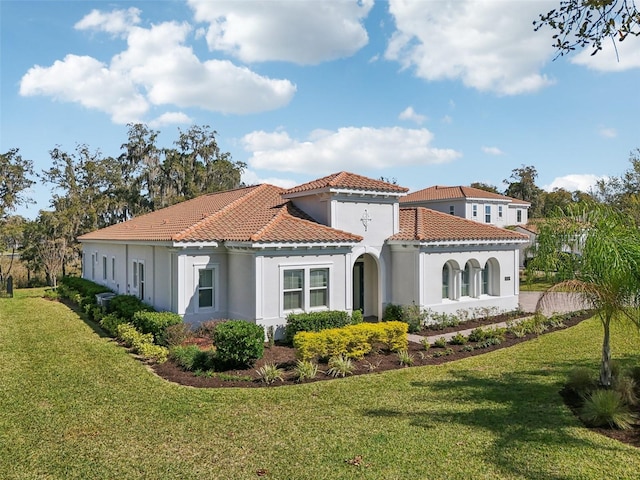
pixel 452 209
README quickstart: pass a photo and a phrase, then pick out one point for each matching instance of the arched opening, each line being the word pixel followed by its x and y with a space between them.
pixel 491 278
pixel 365 286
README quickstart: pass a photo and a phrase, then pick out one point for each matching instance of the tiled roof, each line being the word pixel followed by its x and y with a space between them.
pixel 349 181
pixel 252 214
pixel 426 225
pixel 440 192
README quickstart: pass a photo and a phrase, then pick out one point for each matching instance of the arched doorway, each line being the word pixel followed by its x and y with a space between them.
pixel 365 286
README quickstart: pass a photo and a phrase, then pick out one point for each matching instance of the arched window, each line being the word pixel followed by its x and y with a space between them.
pixel 446 281
pixel 466 279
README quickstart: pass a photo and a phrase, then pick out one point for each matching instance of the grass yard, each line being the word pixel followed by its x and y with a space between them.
pixel 75 405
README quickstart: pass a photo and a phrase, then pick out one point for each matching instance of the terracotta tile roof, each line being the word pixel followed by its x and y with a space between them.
pixel 350 181
pixel 252 214
pixel 440 192
pixel 426 225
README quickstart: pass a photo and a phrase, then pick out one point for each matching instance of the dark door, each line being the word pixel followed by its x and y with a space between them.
pixel 358 286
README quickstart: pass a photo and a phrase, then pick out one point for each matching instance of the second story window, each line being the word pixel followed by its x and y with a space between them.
pixel 452 209
pixel 487 213
pixel 474 211
pixel 499 211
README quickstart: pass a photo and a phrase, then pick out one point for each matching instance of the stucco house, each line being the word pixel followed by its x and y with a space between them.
pixel 342 242
pixel 471 203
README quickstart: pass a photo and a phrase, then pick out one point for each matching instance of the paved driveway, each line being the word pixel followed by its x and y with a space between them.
pixel 558 302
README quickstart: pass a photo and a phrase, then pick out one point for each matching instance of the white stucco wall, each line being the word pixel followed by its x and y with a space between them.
pixel 512 215
pixel 379 223
pixel 241 282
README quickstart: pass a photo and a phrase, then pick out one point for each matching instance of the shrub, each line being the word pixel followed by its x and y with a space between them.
pixel 458 339
pixel 206 329
pixel 81 291
pixel 155 323
pixel 626 387
pixel 392 312
pixel 581 380
pixel 126 306
pixel 314 322
pixel 405 358
pixel 477 335
pixel 467 348
pixel 488 342
pixel 606 408
pixel 110 323
pixel 443 353
pixel 413 316
pixel 153 352
pixel 238 343
pixel 305 370
pixel 440 321
pixel 340 366
pixel 353 341
pixel 176 334
pixel 356 317
pixel 519 329
pixel 425 343
pixel 131 337
pixel 192 358
pixel 440 342
pixel 269 373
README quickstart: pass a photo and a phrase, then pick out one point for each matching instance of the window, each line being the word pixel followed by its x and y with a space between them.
pixel 318 287
pixel 452 209
pixel 305 288
pixel 499 211
pixel 474 210
pixel 293 289
pixel 113 269
pixel 135 274
pixel 466 277
pixel 205 288
pixel 487 213
pixel 445 280
pixel 93 266
pixel 104 268
pixel 519 216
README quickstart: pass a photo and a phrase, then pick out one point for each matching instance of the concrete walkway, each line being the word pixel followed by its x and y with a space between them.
pixel 554 303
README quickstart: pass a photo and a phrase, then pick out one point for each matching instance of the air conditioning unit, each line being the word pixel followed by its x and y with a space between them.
pixel 103 299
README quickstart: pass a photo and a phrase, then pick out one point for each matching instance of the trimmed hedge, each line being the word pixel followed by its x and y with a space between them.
pixel 126 306
pixel 353 341
pixel 315 322
pixel 80 291
pixel 238 343
pixel 155 322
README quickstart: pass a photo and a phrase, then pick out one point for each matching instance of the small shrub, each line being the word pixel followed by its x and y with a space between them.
pixel 238 343
pixel 126 306
pixel 157 353
pixel 131 337
pixel 581 380
pixel 405 358
pixel 356 317
pixel 50 294
pixel 177 334
pixel 458 339
pixel 305 370
pixel 206 329
pixel 392 312
pixel 110 323
pixel 271 341
pixel 605 408
pixel 467 348
pixel 373 366
pixel 555 321
pixel 518 329
pixel 425 343
pixel 413 316
pixel 192 358
pixel 269 373
pixel 489 342
pixel 155 323
pixel 340 366
pixel 440 342
pixel 314 322
pixel 477 335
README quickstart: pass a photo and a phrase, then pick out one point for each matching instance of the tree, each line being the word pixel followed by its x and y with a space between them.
pixel 623 192
pixel 484 186
pixel 586 23
pixel 522 185
pixel 604 245
pixel 14 171
pixel 11 239
pixel 52 254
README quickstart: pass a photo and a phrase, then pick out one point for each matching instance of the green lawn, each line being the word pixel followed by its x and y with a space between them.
pixel 75 405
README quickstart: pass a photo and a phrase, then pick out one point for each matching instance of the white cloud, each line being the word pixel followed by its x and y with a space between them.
pixel 90 83
pixel 410 114
pixel 448 119
pixel 492 151
pixel 606 60
pixel 359 148
pixel 170 118
pixel 302 32
pixel 249 177
pixel 608 132
pixel 159 68
pixel 488 45
pixel 116 22
pixel 573 182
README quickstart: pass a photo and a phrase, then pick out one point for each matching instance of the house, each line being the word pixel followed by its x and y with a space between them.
pixel 471 203
pixel 342 242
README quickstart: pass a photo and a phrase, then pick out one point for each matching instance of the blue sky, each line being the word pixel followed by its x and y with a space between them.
pixel 427 91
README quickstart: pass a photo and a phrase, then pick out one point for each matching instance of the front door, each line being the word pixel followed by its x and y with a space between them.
pixel 358 286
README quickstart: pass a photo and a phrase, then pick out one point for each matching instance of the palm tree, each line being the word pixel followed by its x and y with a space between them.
pixel 597 249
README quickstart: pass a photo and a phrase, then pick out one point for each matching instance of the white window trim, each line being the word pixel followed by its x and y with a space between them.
pixel 105 264
pixel 215 267
pixel 487 213
pixel 306 296
pixel 474 210
pixel 499 211
pixel 113 269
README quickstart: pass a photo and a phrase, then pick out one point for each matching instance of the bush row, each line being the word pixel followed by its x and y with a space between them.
pixel 141 343
pixel 352 341
pixel 318 321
